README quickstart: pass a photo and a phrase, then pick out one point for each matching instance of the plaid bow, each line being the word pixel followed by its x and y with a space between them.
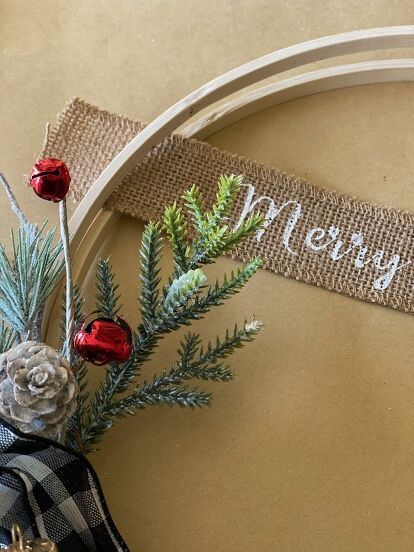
pixel 54 493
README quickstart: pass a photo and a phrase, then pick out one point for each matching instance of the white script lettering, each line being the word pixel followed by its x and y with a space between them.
pixel 272 212
pixel 318 239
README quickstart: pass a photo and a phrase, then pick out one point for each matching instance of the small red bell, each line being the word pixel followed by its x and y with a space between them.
pixel 50 179
pixel 104 340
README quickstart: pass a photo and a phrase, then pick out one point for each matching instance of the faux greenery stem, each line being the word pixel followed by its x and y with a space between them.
pixel 13 201
pixel 32 230
pixel 34 268
pixel 64 232
pixel 111 386
pixel 15 206
pixel 164 308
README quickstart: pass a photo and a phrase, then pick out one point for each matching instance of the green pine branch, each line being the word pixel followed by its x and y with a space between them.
pixel 193 200
pixel 215 237
pixel 75 434
pixel 195 362
pixel 150 257
pixel 189 307
pixel 107 297
pixel 228 188
pixel 27 278
pixel 153 394
pixel 175 312
pixel 7 337
pixel 177 233
pixel 184 299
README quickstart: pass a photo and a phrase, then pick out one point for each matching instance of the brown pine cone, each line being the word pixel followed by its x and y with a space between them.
pixel 37 389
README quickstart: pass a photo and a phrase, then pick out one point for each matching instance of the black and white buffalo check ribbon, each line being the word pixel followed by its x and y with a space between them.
pixel 53 493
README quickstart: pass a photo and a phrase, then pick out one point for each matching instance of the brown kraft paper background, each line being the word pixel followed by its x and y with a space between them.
pixel 310 448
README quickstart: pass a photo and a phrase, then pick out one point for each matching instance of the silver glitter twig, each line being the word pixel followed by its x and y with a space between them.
pixel 64 232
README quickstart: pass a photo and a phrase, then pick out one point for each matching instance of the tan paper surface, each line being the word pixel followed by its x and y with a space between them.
pixel 311 448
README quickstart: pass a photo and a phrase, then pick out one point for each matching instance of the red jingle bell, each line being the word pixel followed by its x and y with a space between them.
pixel 103 341
pixel 50 179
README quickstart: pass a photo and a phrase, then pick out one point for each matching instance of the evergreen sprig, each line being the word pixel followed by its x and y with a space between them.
pixel 214 236
pixel 75 436
pixel 107 297
pixel 194 362
pixel 183 299
pixel 31 272
pixel 177 232
pixel 7 337
pixel 27 279
pixel 150 258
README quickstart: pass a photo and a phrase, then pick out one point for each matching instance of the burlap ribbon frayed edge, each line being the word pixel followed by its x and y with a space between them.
pixel 291 183
pixel 301 186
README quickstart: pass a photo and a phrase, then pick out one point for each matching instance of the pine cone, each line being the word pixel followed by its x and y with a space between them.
pixel 37 389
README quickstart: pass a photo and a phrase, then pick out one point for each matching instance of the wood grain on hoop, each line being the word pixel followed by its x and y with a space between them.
pixel 314 82
pixel 217 89
pixel 86 225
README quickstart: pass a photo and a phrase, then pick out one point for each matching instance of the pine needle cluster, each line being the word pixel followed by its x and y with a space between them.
pixel 27 277
pixel 196 236
pixel 165 308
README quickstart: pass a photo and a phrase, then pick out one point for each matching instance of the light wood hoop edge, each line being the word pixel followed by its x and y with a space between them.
pixel 90 221
pixel 314 82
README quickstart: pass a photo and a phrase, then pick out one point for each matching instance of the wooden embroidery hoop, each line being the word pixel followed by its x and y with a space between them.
pixel 90 222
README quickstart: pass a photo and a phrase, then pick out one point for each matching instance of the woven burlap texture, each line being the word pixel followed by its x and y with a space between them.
pixel 88 138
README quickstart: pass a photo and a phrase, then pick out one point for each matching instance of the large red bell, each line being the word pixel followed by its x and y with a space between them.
pixel 103 341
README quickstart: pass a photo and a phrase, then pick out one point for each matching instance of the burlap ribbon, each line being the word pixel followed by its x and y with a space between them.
pixel 313 235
